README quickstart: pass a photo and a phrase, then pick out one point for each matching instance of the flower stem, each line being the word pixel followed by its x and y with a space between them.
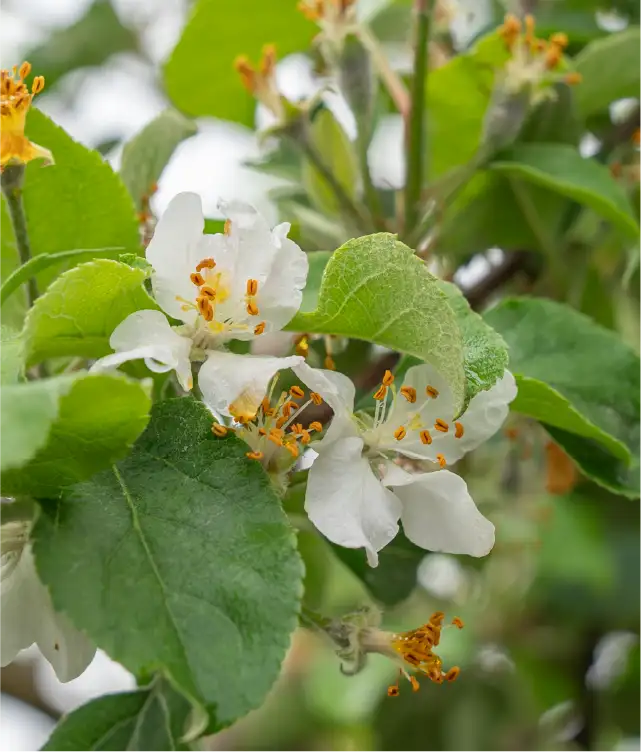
pixel 11 181
pixel 415 124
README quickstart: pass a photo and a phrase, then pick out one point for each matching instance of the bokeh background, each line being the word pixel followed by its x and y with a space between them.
pixel 550 652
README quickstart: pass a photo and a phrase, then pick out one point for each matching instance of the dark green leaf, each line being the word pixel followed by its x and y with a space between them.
pixel 216 580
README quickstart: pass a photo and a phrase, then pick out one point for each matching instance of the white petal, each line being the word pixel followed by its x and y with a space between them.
pixel 176 247
pixel 339 392
pixel 227 378
pixel 347 502
pixel 484 416
pixel 28 615
pixel 419 377
pixel 281 295
pixel 148 335
pixel 439 514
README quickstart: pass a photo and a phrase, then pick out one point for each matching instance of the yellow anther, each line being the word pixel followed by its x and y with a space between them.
pixel 37 85
pixel 252 286
pixel 252 308
pixel 431 391
pixel 400 433
pixel 441 425
pixel 219 430
pixel 426 437
pixel 292 448
pixel 553 56
pixel 458 429
pixel 530 25
pixel 297 392
pixel 409 393
pixel 227 227
pixel 573 78
pixel 205 309
pixel 388 378
pixel 329 363
pixel 441 460
pixel 316 398
pixel 436 619
pixel 302 347
pixel 316 426
pixel 246 72
pixel 393 690
pixel 414 682
pixel 560 39
pixel 207 263
pixel 451 675
pixel 305 437
pixel 197 279
pixel 458 622
pixel 380 393
pixel 259 328
pixel 281 421
pixel 268 60
pixel 25 70
pixel 262 432
pixel 254 455
pixel 207 292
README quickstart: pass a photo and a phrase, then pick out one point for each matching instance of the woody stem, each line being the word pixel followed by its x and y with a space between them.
pixel 11 181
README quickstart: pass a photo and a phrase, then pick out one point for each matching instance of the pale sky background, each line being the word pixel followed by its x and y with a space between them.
pixel 89 105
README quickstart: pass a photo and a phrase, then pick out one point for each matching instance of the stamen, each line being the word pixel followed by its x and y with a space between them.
pixel 436 619
pixel 573 78
pixel 207 291
pixel 431 391
pixel 288 407
pixel 458 622
pixel 281 421
pixel 458 429
pixel 329 363
pixel 441 460
pixel 254 455
pixel 316 398
pixel 305 437
pixel 451 675
pixel 297 392
pixel 265 404
pixel 246 72
pixel 275 439
pixel 37 85
pixel 205 309
pixel 207 263
pixel 252 308
pixel 292 448
pixel 197 279
pixel 441 425
pixel 227 227
pixel 219 430
pixel 426 437
pixel 302 346
pixel 409 393
pixel 400 433
pixel 259 328
pixel 380 393
pixel 25 70
pixel 553 56
pixel 388 378
pixel 252 286
pixel 393 690
pixel 262 432
pixel 414 682
pixel 560 39
pixel 316 426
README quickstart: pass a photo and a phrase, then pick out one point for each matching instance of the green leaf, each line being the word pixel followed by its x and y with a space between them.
pixel 317 263
pixel 375 288
pixel 89 42
pixel 59 431
pixel 561 168
pixel 485 354
pixel 14 310
pixel 200 75
pixel 217 581
pixel 334 148
pixel 610 71
pixel 78 313
pixel 571 373
pixel 152 717
pixel 458 96
pixel 11 356
pixel 146 155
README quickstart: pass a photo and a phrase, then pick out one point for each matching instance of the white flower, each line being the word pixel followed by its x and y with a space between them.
pixel 356 494
pixel 27 614
pixel 236 285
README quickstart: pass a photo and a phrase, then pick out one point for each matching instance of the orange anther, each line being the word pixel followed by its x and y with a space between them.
pixel 388 378
pixel 458 622
pixel 197 279
pixel 380 393
pixel 329 363
pixel 436 619
pixel 207 291
pixel 254 455
pixel 560 39
pixel 252 286
pixel 316 426
pixel 451 675
pixel 259 328
pixel 409 393
pixel 219 430
pixel 458 429
pixel 415 685
pixel 37 85
pixel 205 309
pixel 431 391
pixel 441 460
pixel 227 227
pixel 441 425
pixel 316 398
pixel 393 691
pixel 400 433
pixel 207 263
pixel 25 69
pixel 426 437
pixel 252 308
pixel 573 78
pixel 297 392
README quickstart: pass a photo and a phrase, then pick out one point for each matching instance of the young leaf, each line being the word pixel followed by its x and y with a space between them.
pixel 152 717
pixel 206 52
pixel 80 310
pixel 375 288
pixel 189 565
pixel 561 168
pixel 332 145
pixel 571 373
pixel 610 70
pixel 62 430
pixel 146 155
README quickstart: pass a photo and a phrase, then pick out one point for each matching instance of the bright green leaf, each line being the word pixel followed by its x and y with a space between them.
pixel 217 582
pixel 200 75
pixel 78 313
pixel 330 142
pixel 610 71
pixel 11 356
pixel 561 168
pixel 146 155
pixel 375 288
pixel 571 373
pixel 67 428
pixel 152 717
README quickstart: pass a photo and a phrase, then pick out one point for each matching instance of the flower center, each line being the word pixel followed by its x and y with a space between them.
pixel 15 98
